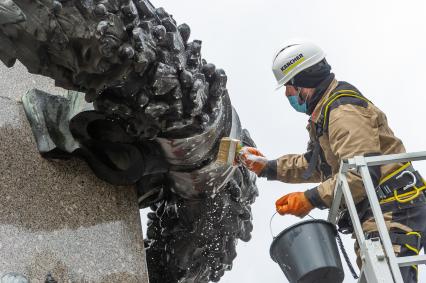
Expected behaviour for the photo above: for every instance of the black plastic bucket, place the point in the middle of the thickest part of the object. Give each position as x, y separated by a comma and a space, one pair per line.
307, 253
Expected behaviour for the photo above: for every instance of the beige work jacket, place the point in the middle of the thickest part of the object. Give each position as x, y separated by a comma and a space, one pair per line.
352, 130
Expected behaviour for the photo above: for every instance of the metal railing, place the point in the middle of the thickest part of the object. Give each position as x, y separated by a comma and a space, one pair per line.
379, 262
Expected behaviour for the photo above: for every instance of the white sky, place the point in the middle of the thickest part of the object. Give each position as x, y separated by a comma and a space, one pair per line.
379, 46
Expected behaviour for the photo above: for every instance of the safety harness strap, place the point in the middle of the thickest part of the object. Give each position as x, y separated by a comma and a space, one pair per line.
402, 185
341, 97
410, 239
344, 94
400, 182
312, 162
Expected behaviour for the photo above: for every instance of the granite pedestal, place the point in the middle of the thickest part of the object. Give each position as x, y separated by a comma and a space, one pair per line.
56, 216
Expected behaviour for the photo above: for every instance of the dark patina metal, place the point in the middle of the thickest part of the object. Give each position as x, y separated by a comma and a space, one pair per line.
154, 117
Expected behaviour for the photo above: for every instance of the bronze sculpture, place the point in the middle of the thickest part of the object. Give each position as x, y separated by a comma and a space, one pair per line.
156, 114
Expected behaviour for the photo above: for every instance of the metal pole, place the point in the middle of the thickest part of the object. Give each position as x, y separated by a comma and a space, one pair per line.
390, 158
352, 211
334, 209
379, 266
378, 216
411, 260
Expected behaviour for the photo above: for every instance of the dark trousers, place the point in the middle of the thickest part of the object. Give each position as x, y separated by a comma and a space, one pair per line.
415, 218
402, 218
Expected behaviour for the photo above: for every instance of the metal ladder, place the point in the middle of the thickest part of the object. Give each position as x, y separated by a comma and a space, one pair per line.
378, 265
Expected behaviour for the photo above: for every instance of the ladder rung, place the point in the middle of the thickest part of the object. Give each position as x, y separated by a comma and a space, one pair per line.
391, 158
411, 260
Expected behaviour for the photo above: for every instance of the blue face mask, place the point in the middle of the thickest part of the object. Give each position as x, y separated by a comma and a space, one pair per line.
294, 102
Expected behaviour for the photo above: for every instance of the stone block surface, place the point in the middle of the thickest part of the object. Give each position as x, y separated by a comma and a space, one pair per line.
56, 216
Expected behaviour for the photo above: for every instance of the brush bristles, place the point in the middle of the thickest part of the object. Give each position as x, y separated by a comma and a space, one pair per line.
227, 151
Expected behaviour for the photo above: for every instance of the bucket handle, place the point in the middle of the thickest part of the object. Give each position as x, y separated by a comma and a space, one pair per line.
270, 223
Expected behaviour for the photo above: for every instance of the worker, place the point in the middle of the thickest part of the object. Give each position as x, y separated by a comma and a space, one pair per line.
342, 124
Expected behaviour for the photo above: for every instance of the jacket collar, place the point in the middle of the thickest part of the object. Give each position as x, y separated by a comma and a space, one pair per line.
317, 110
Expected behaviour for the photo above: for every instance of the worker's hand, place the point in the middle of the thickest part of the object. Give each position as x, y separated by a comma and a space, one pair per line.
252, 159
294, 203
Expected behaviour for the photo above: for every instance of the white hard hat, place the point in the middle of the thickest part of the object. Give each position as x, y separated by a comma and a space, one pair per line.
293, 58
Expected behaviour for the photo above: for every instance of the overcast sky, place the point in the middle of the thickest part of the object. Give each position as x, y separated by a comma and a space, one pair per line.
379, 46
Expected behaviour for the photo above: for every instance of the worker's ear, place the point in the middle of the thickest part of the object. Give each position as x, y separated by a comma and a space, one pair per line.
290, 90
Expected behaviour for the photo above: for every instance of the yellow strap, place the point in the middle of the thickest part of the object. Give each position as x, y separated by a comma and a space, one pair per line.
402, 168
337, 95
405, 197
414, 233
413, 249
343, 91
404, 200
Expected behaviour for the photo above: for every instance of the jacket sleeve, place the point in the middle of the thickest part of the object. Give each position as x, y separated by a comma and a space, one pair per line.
352, 131
289, 169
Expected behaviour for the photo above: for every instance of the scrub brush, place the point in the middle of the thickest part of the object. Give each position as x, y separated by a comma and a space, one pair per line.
228, 150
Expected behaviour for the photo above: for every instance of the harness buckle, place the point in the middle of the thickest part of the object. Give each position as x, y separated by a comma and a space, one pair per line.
410, 185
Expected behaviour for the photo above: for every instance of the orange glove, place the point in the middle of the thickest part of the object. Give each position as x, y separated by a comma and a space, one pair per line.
294, 203
252, 159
